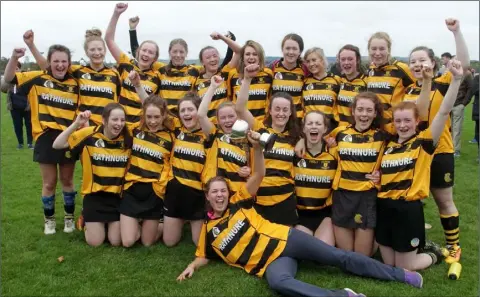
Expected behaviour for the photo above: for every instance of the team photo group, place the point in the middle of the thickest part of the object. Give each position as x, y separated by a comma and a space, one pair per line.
269, 165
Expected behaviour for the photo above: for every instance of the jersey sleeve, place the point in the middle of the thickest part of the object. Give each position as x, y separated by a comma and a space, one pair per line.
124, 63
258, 125
443, 82
408, 77
427, 141
76, 141
204, 249
25, 80
241, 196
230, 75
157, 65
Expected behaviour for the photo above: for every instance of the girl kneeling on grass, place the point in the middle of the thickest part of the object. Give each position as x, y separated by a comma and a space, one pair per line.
237, 234
105, 151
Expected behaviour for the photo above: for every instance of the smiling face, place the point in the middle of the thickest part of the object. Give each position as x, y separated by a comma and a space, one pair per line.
315, 63
115, 123
146, 55
226, 118
314, 128
280, 112
154, 118
364, 113
291, 51
188, 114
250, 56
378, 51
59, 64
211, 60
348, 62
405, 123
96, 52
178, 53
217, 196
417, 60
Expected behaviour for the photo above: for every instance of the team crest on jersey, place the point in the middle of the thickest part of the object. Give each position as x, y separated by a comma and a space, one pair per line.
328, 87
181, 136
161, 143
347, 138
225, 138
415, 242
309, 87
342, 86
48, 84
448, 177
302, 163
68, 155
260, 80
70, 89
408, 147
140, 135
149, 78
201, 86
215, 231
387, 73
108, 79
325, 165
357, 89
369, 138
86, 76
278, 75
299, 77
388, 151
100, 143
239, 82
371, 73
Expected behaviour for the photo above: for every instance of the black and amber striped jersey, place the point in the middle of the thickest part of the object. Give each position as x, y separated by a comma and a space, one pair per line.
188, 157
150, 159
278, 183
104, 161
258, 94
221, 95
389, 82
405, 168
348, 90
176, 82
129, 98
359, 153
289, 81
439, 89
314, 178
53, 102
321, 95
97, 89
242, 238
225, 158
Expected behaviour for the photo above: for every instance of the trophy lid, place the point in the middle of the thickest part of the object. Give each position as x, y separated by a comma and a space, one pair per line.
239, 129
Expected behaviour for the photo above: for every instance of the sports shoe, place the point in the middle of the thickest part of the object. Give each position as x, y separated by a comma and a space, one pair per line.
30, 146
413, 278
351, 293
50, 225
434, 250
20, 146
80, 223
473, 141
69, 226
455, 252
456, 154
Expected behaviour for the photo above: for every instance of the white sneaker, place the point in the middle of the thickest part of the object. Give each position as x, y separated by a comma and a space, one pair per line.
69, 226
50, 225
351, 293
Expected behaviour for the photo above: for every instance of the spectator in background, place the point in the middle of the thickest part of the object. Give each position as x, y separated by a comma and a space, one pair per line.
474, 93
445, 58
463, 98
19, 108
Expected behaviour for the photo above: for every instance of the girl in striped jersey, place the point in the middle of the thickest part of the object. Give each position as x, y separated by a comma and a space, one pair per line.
276, 197
260, 86
53, 98
314, 174
288, 72
320, 89
237, 234
225, 158
210, 60
359, 147
405, 168
387, 77
147, 174
353, 81
442, 169
105, 151
145, 57
99, 84
184, 200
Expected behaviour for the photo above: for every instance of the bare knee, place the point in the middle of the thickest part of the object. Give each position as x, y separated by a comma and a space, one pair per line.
95, 241
50, 185
170, 242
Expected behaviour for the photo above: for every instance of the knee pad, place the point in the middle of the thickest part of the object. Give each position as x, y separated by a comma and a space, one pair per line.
48, 202
69, 198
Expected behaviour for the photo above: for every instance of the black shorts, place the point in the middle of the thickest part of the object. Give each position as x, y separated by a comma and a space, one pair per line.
354, 209
141, 202
284, 213
183, 202
44, 153
101, 207
442, 171
312, 219
400, 224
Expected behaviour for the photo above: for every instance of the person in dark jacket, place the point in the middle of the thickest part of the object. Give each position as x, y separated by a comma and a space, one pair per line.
474, 93
19, 108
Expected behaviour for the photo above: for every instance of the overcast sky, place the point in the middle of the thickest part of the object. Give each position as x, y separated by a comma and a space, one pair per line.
329, 25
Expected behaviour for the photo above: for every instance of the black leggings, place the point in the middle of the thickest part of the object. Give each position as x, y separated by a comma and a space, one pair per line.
281, 273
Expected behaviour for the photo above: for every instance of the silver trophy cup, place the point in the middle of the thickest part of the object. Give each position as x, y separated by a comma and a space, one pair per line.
239, 134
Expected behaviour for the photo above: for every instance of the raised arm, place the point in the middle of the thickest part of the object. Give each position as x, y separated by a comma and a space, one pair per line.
202, 113
423, 100
461, 46
61, 141
254, 181
438, 123
9, 73
242, 98
134, 78
188, 272
232, 45
28, 38
133, 23
110, 33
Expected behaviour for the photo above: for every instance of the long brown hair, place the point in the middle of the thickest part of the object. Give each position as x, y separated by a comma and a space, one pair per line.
292, 124
356, 50
175, 41
260, 53
107, 110
161, 104
58, 48
299, 40
430, 53
378, 121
